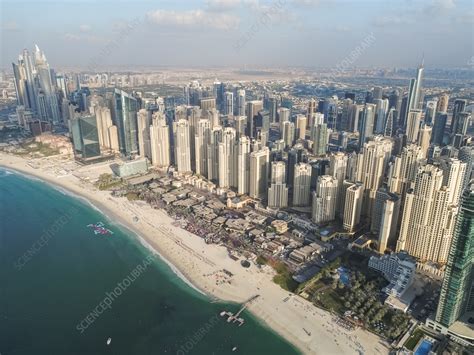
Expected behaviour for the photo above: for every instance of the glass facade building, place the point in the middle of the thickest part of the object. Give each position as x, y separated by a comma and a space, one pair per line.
85, 136
457, 292
126, 108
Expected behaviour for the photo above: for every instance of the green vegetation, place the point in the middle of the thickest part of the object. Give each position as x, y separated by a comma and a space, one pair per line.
284, 277
131, 196
323, 273
261, 260
37, 148
361, 298
414, 339
329, 299
107, 181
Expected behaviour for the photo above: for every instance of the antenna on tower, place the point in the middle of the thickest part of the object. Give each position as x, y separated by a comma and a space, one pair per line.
422, 60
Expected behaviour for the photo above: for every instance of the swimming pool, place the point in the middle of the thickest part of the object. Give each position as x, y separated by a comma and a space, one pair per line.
424, 348
344, 275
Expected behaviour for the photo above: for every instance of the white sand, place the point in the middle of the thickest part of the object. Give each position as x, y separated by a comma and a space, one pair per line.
194, 259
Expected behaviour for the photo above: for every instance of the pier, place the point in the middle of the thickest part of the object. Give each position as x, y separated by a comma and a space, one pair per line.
234, 318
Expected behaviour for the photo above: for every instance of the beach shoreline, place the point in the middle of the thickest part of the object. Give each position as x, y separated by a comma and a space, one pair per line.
199, 265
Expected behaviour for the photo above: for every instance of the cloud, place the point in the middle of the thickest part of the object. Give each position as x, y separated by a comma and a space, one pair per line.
194, 18
10, 26
466, 18
312, 3
72, 37
391, 21
436, 6
341, 28
222, 5
84, 28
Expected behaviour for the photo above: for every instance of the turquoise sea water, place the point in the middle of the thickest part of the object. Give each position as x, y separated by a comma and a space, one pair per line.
54, 272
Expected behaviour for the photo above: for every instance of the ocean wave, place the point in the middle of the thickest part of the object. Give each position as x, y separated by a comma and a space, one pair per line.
173, 268
5, 173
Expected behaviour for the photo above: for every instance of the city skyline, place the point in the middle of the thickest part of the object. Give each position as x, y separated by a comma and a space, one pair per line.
334, 205
289, 32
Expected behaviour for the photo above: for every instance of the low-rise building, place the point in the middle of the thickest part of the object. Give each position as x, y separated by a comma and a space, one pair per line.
130, 168
273, 246
238, 225
238, 202
302, 255
256, 218
280, 226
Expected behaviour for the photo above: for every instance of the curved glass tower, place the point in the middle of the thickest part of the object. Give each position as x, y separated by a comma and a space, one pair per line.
457, 292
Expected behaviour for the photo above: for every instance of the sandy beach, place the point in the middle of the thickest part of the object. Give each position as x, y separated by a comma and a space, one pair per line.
202, 264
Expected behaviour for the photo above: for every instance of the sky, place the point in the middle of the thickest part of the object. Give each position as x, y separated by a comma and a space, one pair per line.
240, 33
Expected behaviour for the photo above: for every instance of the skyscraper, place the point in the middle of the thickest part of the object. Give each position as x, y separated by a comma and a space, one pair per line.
50, 111
424, 138
415, 94
301, 121
337, 169
143, 126
202, 140
428, 216
253, 107
228, 159
353, 206
35, 86
389, 129
213, 154
182, 146
457, 292
283, 116
259, 165
439, 127
430, 111
405, 168
366, 121
413, 125
228, 103
302, 184
385, 218
320, 137
311, 111
288, 133
207, 103
160, 141
443, 103
458, 107
278, 191
372, 164
466, 155
243, 165
105, 128
125, 107
381, 109
85, 137
241, 102
324, 199
272, 108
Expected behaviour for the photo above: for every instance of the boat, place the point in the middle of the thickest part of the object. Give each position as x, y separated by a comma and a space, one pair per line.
234, 348
109, 341
99, 228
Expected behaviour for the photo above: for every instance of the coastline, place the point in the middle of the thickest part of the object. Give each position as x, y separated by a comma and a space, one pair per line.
196, 263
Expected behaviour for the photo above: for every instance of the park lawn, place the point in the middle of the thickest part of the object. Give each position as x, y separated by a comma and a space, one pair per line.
414, 339
331, 300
